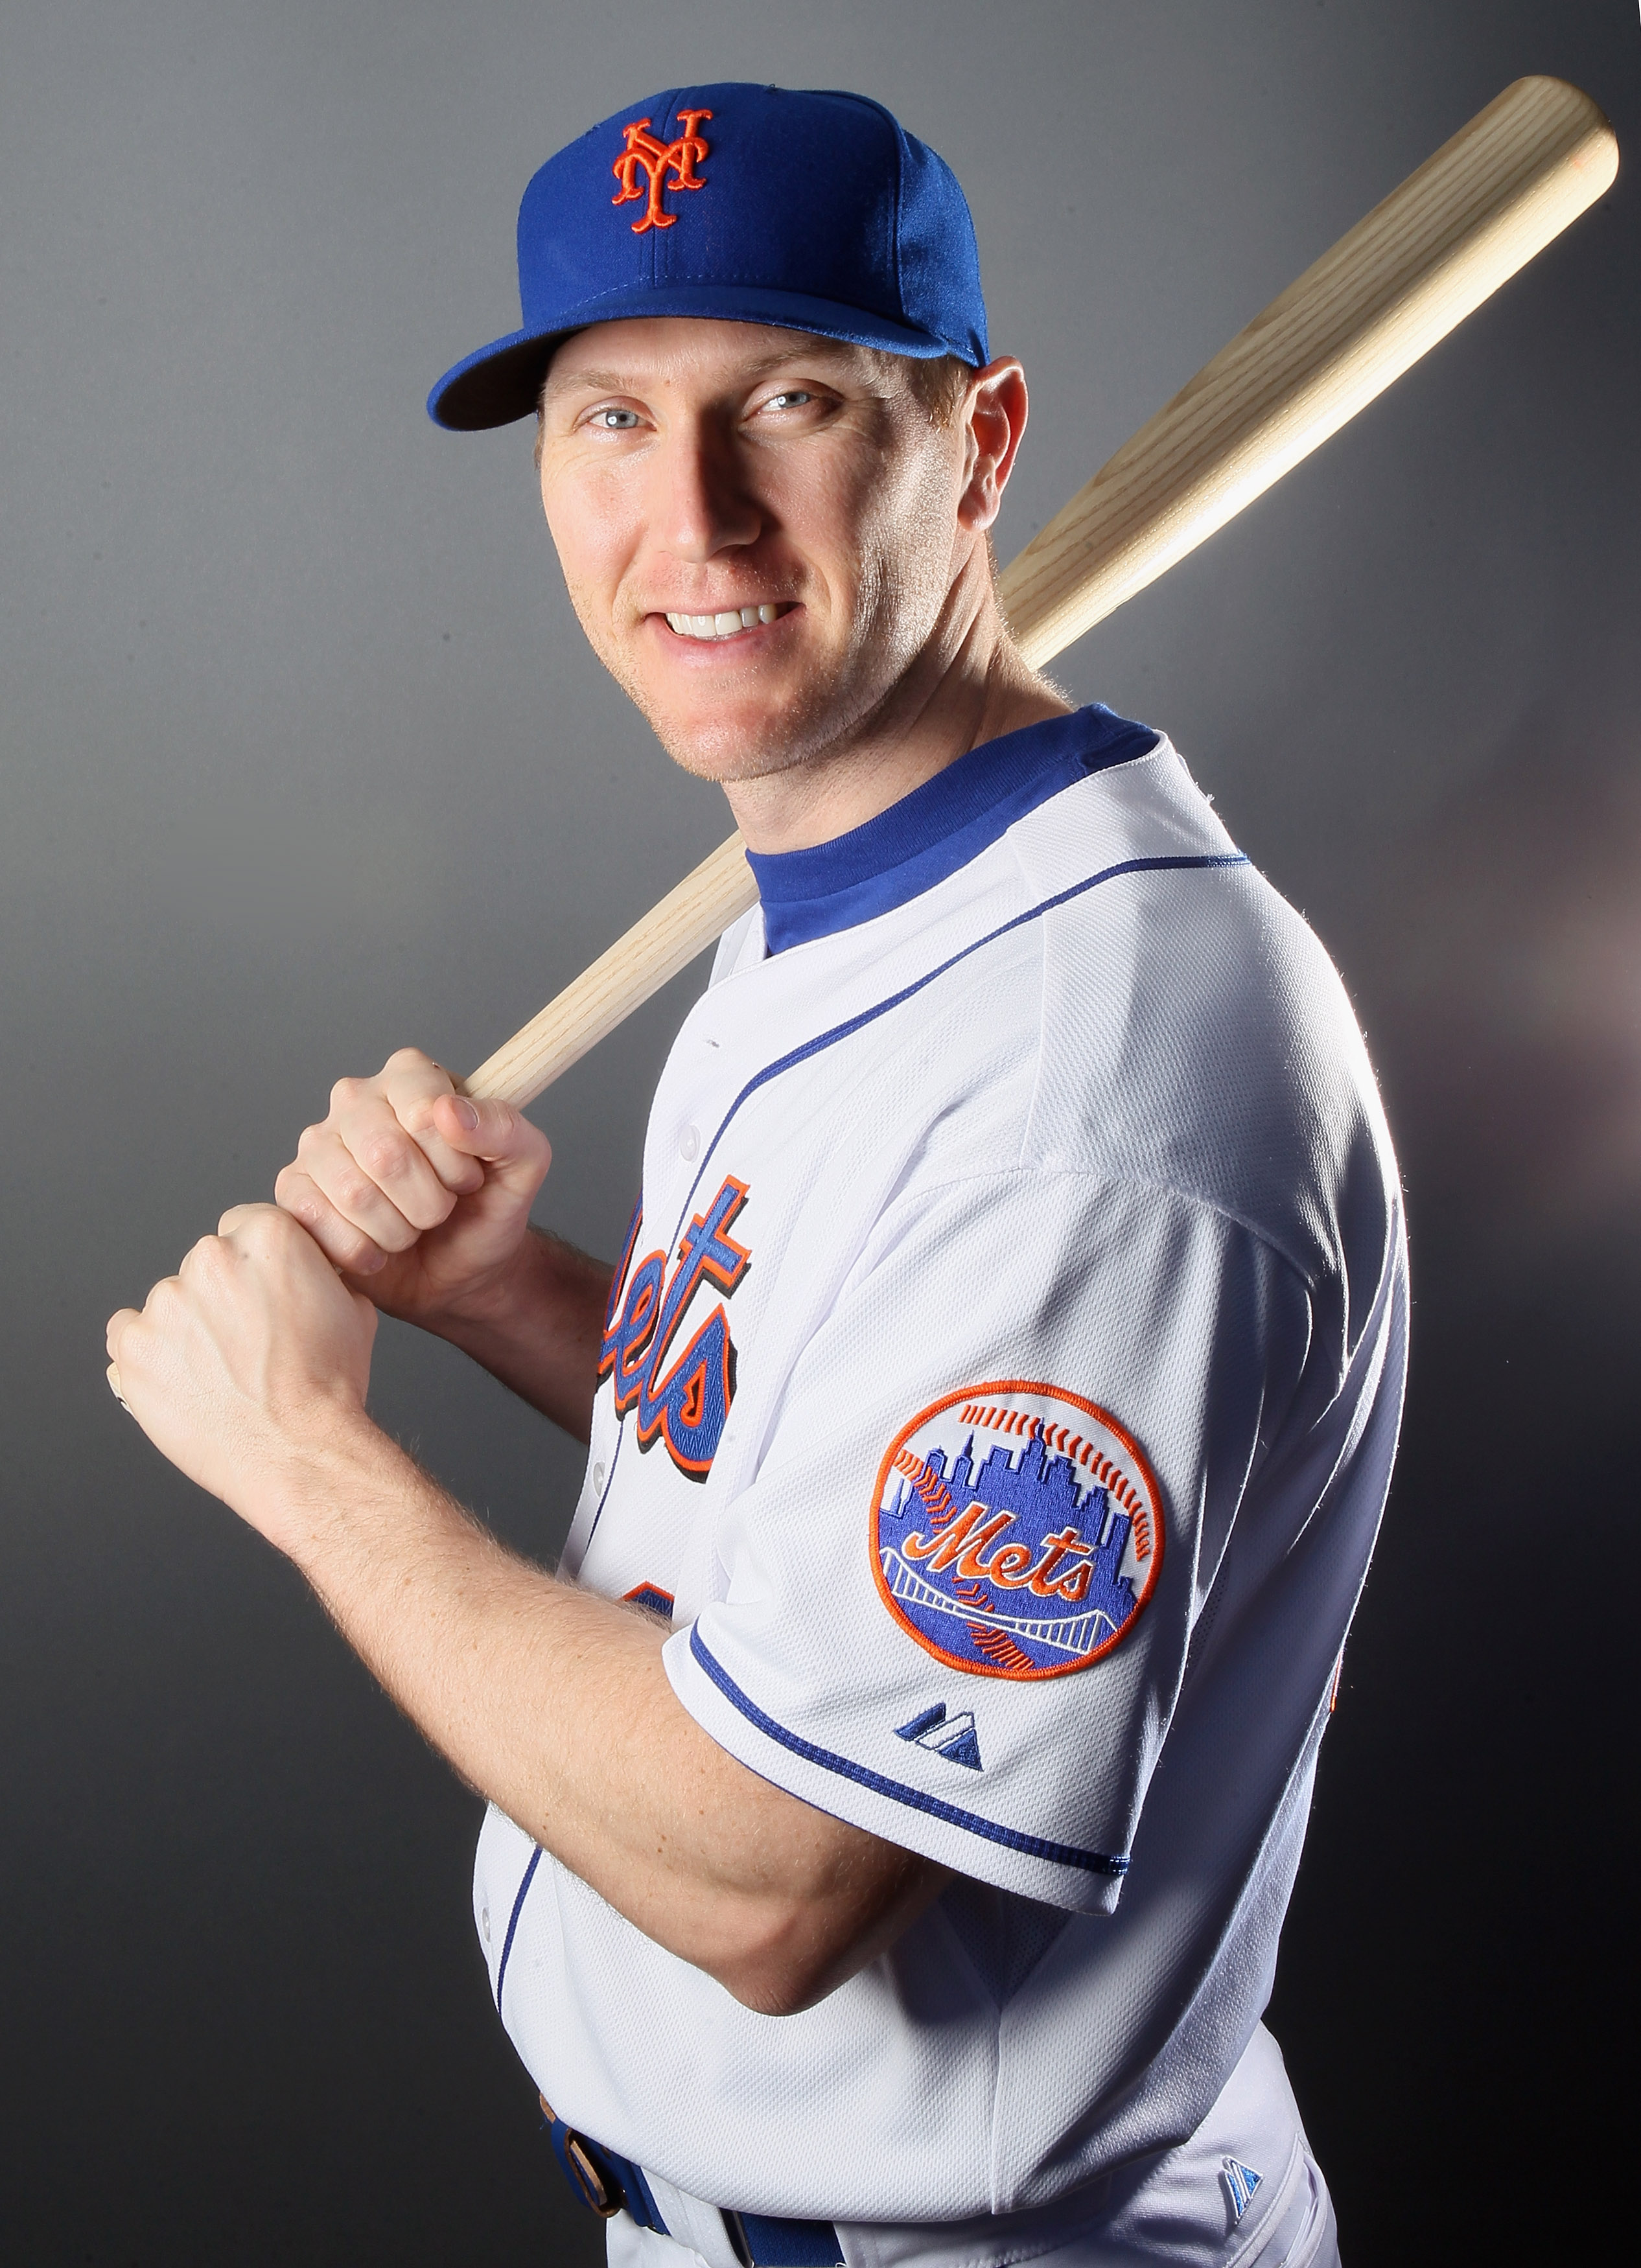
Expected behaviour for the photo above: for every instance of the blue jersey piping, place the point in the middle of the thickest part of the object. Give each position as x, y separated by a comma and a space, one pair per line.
1035, 1846
817, 1046
512, 1925
1174, 864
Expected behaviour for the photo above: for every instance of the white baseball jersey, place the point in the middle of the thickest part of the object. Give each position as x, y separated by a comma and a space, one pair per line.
998, 1395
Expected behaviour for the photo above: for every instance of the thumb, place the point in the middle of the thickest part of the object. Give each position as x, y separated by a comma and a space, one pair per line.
501, 1138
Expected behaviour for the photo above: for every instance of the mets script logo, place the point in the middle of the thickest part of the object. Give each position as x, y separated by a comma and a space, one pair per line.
1017, 1530
655, 160
682, 1400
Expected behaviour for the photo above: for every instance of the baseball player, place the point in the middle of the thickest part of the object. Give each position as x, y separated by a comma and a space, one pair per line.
895, 1796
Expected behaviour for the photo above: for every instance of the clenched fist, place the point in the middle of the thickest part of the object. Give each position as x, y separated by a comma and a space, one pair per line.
254, 1351
420, 1197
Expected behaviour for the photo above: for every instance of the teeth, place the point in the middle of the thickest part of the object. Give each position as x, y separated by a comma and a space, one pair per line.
726, 624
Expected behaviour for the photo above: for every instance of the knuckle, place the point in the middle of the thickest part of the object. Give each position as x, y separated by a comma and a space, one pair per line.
346, 1094
163, 1300
411, 1078
354, 1191
384, 1155
298, 1198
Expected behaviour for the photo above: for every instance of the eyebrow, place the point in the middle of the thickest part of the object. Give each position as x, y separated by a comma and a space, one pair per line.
618, 381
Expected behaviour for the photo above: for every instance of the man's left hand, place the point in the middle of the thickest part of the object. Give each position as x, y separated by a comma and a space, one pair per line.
253, 1353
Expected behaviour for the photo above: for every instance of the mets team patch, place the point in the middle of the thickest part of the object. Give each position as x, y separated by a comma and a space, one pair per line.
1016, 1530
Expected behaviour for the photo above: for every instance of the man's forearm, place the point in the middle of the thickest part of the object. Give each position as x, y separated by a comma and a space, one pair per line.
249, 1369
555, 1703
539, 1330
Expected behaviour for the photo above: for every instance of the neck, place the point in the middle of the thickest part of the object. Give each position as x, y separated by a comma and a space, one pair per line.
978, 688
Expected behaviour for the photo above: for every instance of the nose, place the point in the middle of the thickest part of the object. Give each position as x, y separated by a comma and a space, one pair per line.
700, 504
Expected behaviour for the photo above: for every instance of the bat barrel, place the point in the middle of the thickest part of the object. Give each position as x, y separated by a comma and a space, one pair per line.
1481, 208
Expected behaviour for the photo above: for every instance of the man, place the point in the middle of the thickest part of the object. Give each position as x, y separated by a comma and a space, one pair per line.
896, 1799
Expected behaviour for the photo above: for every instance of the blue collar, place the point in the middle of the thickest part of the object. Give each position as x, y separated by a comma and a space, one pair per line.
938, 827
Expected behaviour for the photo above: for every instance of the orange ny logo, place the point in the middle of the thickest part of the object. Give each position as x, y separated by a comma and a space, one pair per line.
655, 158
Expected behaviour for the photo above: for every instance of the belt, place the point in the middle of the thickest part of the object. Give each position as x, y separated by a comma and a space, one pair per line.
607, 2183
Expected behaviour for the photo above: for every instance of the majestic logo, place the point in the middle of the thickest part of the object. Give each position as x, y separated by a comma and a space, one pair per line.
954, 1738
1241, 2181
655, 160
1016, 1530
683, 1402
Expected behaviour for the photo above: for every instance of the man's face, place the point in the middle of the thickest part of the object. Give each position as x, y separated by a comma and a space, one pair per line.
693, 472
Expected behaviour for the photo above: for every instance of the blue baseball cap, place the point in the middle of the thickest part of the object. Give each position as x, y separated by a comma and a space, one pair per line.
750, 204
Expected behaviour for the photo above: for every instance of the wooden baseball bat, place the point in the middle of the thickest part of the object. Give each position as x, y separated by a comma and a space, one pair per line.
1402, 279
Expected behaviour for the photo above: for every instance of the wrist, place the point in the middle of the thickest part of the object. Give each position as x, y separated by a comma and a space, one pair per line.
299, 1480
496, 1301
539, 1329
543, 1284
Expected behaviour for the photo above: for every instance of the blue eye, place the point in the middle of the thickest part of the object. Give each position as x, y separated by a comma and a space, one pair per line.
793, 398
615, 421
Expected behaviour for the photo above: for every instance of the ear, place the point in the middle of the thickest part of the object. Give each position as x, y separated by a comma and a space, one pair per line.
994, 417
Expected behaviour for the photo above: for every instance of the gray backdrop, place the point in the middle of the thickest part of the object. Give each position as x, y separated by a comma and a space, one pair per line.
303, 758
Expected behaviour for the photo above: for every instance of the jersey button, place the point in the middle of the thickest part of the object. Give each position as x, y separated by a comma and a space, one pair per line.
689, 1144
598, 1480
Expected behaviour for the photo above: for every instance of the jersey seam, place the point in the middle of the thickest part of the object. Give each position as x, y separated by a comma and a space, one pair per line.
1029, 1120
1147, 864
1121, 1180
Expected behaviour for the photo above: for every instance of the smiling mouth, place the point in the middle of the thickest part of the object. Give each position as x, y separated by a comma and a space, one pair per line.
728, 624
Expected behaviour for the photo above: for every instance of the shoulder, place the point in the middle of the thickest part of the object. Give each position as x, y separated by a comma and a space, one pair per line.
1194, 1034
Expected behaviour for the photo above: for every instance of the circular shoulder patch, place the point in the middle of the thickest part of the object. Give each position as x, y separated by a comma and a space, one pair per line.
1016, 1530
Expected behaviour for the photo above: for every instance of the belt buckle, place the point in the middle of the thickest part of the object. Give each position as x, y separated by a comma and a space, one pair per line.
597, 2193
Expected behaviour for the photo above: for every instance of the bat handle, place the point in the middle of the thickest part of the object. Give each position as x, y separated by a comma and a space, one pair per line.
687, 920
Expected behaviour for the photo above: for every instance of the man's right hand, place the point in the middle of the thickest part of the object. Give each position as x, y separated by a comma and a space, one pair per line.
419, 1196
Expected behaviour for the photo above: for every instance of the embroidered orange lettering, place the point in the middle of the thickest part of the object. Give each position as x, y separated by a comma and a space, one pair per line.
1009, 1564
1056, 1547
941, 1550
643, 153
970, 1565
1073, 1585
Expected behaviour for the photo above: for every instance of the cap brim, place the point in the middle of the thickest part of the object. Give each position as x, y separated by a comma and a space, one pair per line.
502, 382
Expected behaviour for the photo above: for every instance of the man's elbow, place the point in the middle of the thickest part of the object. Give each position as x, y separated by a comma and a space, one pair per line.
793, 1951
785, 1967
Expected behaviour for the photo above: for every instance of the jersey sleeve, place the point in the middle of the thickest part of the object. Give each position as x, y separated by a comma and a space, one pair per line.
953, 1605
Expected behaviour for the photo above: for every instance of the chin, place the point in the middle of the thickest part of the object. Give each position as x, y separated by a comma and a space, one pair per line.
722, 753
734, 739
